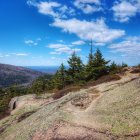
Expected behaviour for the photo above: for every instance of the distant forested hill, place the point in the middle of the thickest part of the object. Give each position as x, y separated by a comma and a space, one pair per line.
12, 75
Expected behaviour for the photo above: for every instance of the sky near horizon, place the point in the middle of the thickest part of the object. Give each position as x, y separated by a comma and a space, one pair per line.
46, 32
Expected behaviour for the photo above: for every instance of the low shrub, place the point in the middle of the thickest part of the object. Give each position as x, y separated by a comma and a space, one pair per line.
60, 93
65, 91
104, 79
136, 70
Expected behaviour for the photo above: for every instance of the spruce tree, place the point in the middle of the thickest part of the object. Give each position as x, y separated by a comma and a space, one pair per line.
91, 56
100, 65
75, 68
113, 68
60, 77
90, 64
124, 65
62, 74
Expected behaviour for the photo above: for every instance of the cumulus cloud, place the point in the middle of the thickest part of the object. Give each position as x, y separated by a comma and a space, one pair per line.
47, 8
88, 6
54, 9
124, 10
30, 42
62, 48
129, 47
97, 30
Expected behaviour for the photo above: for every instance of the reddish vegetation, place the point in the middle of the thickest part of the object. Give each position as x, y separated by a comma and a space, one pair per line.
136, 70
64, 91
104, 79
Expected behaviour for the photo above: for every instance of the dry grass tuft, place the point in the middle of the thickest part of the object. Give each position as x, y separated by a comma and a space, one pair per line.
135, 70
65, 91
104, 79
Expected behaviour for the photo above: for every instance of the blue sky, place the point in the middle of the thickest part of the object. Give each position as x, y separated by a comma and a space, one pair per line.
46, 32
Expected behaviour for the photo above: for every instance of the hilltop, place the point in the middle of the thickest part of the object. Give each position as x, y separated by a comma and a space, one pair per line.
103, 111
13, 75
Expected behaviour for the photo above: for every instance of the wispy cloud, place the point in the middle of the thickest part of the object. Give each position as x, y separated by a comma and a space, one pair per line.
13, 54
21, 54
88, 6
61, 41
62, 48
130, 46
31, 43
78, 43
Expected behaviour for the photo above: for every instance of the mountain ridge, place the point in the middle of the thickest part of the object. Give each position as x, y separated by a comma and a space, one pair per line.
16, 75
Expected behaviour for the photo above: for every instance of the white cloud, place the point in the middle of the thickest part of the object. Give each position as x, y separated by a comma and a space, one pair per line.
88, 6
65, 11
4, 55
21, 54
38, 39
61, 41
56, 46
98, 31
54, 9
99, 44
30, 42
62, 48
129, 47
47, 8
78, 43
53, 58
89, 1
124, 10
13, 54
7, 55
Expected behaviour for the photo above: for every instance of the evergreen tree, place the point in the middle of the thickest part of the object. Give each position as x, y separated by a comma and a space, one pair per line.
91, 56
100, 65
124, 65
62, 74
90, 64
113, 68
59, 79
76, 68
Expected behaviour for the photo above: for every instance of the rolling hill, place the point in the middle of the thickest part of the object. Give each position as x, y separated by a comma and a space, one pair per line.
11, 75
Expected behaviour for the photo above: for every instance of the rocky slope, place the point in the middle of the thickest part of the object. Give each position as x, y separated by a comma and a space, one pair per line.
10, 75
109, 111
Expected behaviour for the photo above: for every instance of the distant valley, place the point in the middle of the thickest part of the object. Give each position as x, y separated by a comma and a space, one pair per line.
15, 75
44, 69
